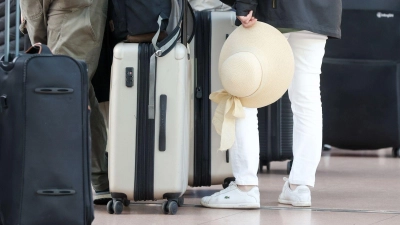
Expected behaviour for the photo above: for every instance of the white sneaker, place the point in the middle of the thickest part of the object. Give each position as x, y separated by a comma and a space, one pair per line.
301, 196
232, 197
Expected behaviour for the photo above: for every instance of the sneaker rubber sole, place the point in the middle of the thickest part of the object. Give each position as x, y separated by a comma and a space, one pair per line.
232, 206
297, 204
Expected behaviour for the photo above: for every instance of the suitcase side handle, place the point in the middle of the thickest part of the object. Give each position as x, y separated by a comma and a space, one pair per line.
163, 118
55, 90
56, 192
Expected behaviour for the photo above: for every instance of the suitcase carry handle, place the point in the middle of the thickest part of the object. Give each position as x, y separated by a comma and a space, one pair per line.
163, 118
7, 55
168, 43
38, 48
54, 90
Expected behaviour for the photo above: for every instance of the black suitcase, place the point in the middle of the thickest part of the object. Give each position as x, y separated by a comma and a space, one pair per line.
360, 74
275, 127
44, 140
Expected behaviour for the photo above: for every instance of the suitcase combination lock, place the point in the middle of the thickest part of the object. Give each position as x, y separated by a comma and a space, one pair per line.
129, 76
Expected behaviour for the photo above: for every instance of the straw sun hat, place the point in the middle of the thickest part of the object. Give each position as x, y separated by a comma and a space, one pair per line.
256, 67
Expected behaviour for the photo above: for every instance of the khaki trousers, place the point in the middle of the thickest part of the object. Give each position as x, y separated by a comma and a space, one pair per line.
75, 28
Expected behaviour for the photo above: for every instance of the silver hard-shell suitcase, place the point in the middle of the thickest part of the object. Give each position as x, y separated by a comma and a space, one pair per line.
208, 165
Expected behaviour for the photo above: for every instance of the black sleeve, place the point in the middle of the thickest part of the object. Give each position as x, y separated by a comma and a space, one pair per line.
110, 9
243, 7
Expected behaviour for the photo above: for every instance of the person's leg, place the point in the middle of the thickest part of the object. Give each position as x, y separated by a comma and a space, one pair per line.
245, 152
304, 92
76, 28
105, 108
244, 156
34, 14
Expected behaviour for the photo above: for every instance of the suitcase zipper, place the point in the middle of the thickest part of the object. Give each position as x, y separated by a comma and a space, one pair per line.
274, 4
88, 201
145, 129
202, 138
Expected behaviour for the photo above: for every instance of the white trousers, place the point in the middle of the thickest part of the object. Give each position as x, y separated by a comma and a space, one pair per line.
304, 93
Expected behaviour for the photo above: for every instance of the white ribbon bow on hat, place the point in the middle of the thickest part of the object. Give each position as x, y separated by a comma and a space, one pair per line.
229, 108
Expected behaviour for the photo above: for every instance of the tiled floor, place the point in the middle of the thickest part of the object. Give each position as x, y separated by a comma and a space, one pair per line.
353, 187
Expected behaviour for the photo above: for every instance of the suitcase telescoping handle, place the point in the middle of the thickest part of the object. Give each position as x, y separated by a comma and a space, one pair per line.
184, 23
7, 55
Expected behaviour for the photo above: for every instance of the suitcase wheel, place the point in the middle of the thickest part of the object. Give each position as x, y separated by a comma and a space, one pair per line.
326, 147
263, 163
396, 152
227, 181
289, 166
181, 201
126, 202
118, 207
110, 209
268, 166
115, 206
170, 207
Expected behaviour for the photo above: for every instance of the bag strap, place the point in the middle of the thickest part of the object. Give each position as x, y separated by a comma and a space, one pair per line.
168, 43
162, 48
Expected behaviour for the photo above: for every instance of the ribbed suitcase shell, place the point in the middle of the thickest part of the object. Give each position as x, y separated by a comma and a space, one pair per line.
208, 165
138, 169
275, 126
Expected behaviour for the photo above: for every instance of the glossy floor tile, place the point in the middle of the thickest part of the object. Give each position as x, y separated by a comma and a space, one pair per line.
352, 187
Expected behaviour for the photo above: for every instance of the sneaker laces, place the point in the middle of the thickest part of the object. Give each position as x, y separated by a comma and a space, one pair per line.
232, 185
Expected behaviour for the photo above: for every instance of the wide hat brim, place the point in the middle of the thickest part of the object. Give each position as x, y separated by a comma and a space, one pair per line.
257, 61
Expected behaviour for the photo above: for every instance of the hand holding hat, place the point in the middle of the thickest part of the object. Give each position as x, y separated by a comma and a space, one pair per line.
247, 21
256, 67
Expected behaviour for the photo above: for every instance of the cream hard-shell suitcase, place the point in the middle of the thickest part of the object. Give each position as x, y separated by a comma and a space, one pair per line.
148, 143
207, 165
